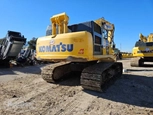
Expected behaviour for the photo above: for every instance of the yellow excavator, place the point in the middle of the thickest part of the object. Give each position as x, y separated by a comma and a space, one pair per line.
143, 51
84, 47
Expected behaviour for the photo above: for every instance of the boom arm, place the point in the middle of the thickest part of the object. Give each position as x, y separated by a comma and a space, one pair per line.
110, 28
143, 38
146, 39
150, 37
60, 21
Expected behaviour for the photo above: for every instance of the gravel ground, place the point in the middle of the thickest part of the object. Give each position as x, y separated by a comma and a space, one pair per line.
23, 91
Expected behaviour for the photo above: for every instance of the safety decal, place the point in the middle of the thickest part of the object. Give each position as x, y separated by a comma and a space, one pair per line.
81, 51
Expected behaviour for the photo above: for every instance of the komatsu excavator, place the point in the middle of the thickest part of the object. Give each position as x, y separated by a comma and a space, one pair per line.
83, 47
143, 51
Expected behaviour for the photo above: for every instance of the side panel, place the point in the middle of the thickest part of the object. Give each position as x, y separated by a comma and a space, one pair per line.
15, 48
97, 33
65, 46
142, 51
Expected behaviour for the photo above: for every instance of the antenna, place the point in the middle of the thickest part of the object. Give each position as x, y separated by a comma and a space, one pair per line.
120, 46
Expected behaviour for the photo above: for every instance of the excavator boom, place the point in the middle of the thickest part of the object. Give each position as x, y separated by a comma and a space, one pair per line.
109, 27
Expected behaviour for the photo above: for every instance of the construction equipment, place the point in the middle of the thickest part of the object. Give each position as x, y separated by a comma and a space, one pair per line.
127, 55
26, 57
83, 47
143, 51
10, 46
117, 53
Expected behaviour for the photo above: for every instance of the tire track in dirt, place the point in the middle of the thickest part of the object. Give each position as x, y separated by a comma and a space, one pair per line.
30, 89
37, 94
77, 102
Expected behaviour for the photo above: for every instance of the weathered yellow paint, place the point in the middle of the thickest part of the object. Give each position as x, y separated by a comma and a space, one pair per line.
82, 42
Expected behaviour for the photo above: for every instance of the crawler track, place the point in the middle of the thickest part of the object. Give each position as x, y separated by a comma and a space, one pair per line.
136, 62
93, 77
140, 62
54, 72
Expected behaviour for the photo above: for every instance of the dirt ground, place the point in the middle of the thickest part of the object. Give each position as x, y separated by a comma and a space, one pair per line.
23, 91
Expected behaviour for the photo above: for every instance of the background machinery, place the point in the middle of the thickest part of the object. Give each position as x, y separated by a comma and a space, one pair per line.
143, 51
26, 57
83, 47
10, 46
117, 53
127, 55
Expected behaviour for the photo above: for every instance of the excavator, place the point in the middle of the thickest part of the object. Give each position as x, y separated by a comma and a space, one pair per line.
143, 51
83, 47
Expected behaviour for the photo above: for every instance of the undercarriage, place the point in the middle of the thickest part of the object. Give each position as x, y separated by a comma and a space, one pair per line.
140, 62
93, 75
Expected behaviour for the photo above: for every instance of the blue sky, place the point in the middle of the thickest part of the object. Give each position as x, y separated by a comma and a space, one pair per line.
31, 17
